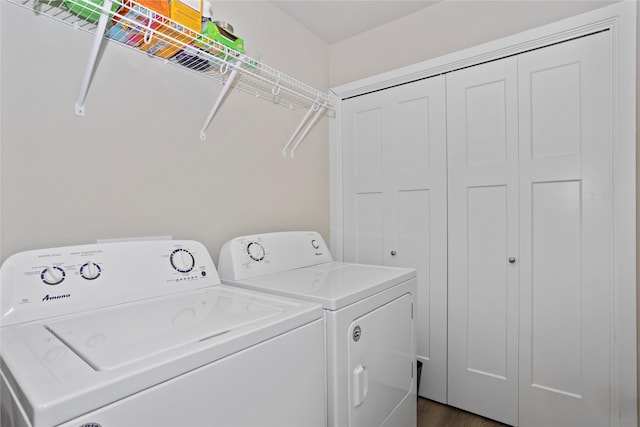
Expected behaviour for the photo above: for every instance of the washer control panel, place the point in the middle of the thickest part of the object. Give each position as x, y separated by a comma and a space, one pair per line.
50, 282
255, 255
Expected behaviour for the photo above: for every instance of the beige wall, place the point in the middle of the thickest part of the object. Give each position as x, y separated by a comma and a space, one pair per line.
135, 165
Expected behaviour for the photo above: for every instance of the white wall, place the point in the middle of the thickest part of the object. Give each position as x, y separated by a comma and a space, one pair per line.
447, 26
135, 165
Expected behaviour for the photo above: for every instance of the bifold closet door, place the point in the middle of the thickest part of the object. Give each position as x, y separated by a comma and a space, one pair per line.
566, 204
530, 229
482, 133
395, 201
366, 191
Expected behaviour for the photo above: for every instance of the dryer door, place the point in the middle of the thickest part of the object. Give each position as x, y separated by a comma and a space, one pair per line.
380, 362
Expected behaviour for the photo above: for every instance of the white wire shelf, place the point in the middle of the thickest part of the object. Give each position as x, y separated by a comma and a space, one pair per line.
127, 23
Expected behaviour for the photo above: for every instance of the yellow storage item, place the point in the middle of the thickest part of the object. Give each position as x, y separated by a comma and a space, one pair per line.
187, 13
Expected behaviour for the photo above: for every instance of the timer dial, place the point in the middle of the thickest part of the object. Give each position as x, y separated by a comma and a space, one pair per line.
182, 260
90, 270
52, 275
255, 251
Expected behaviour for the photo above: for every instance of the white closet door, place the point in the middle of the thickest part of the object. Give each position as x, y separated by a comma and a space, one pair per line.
419, 226
483, 234
365, 134
565, 199
394, 144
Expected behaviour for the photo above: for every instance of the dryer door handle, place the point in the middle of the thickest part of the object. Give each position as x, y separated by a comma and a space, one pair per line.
360, 385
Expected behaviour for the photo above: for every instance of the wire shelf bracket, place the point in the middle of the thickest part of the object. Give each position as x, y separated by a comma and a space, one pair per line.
93, 56
314, 108
223, 93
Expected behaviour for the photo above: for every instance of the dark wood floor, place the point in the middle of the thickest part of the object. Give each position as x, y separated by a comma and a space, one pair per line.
433, 414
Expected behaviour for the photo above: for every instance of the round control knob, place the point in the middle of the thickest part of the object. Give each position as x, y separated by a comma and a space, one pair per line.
52, 275
182, 260
315, 244
255, 251
90, 270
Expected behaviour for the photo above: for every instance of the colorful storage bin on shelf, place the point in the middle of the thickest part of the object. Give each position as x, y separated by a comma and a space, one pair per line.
151, 32
131, 24
217, 39
216, 33
209, 42
184, 12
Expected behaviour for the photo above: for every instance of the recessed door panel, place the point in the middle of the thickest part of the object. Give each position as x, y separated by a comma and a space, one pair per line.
555, 110
485, 123
556, 284
411, 130
368, 142
368, 222
487, 280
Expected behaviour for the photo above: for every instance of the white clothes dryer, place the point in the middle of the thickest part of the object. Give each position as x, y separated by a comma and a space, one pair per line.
144, 334
369, 320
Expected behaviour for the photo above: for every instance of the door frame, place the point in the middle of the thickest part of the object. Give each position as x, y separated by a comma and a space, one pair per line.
620, 19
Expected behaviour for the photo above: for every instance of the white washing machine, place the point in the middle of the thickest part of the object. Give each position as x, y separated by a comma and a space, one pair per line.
144, 334
369, 320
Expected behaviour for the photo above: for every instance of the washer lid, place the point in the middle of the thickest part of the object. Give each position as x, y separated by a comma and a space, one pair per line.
115, 338
63, 367
333, 284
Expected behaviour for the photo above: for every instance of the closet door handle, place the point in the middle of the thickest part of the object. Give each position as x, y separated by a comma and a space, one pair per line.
393, 253
512, 260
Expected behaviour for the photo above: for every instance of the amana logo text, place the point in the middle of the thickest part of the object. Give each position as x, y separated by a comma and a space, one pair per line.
48, 297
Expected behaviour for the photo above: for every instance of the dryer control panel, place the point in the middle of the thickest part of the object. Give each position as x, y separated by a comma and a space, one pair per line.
51, 282
259, 254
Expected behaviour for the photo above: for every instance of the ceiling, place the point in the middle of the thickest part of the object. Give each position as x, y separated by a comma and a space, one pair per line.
335, 20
